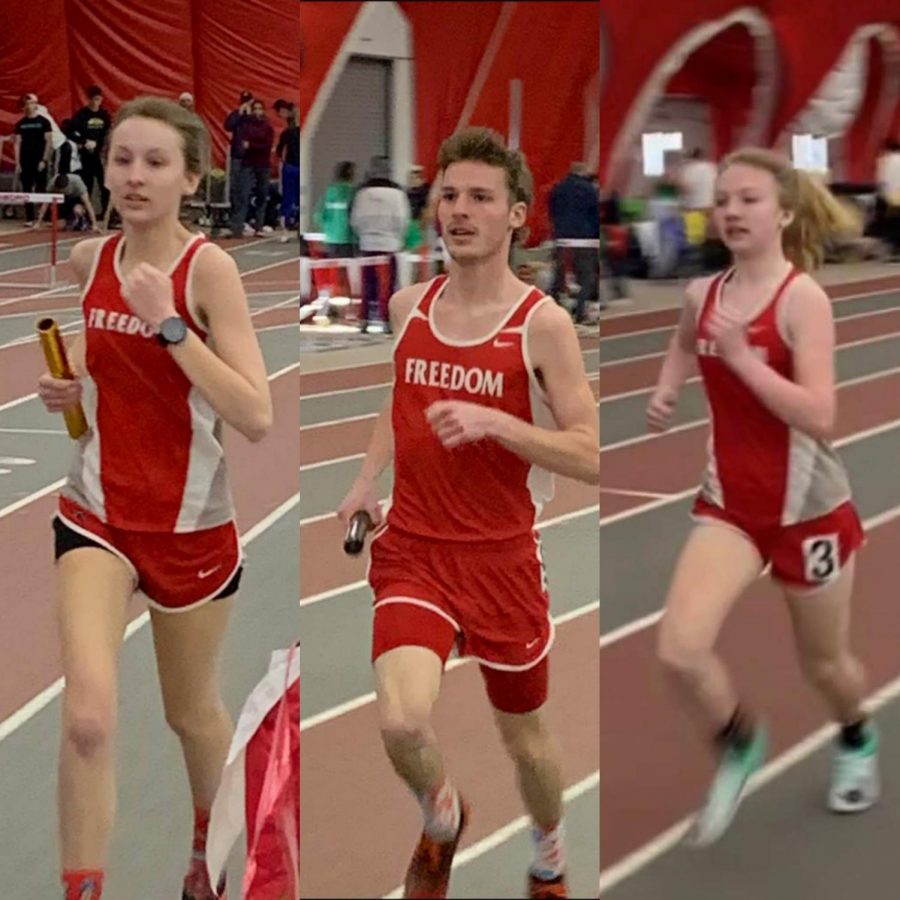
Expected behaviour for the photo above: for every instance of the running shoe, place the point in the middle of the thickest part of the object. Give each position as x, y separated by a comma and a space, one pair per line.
855, 781
538, 889
730, 781
428, 875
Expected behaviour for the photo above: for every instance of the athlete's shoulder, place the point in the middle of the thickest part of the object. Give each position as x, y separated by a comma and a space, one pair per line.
804, 300
404, 301
550, 319
82, 256
698, 288
212, 261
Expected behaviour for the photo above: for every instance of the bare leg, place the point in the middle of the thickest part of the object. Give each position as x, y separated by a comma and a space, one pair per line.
93, 588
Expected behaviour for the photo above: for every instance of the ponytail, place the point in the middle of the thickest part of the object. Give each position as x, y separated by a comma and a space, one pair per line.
818, 217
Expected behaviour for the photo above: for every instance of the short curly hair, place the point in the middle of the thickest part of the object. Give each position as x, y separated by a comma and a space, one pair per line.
487, 146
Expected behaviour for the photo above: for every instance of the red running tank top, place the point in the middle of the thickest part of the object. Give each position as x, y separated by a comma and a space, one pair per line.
152, 459
480, 491
759, 467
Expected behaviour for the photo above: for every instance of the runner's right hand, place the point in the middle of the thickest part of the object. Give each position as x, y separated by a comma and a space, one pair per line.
661, 408
361, 495
59, 394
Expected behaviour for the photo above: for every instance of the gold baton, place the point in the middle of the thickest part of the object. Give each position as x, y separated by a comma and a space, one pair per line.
58, 364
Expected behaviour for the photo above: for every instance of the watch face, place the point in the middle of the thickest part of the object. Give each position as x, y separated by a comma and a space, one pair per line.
173, 330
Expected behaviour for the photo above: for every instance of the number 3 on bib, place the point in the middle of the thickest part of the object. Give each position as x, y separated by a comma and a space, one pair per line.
821, 558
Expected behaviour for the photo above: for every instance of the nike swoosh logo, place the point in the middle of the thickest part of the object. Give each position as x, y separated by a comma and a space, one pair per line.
205, 573
530, 644
499, 344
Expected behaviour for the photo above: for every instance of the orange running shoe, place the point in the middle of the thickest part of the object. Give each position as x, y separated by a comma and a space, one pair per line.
428, 875
547, 890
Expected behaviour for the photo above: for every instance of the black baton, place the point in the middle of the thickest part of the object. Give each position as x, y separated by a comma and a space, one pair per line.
360, 524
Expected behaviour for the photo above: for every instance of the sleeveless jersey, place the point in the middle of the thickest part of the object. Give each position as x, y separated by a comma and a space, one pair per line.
478, 491
759, 466
152, 459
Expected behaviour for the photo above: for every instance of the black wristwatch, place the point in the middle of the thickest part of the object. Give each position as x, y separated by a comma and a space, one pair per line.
172, 331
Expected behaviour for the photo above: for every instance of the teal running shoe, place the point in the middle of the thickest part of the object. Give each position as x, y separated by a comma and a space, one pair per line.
730, 781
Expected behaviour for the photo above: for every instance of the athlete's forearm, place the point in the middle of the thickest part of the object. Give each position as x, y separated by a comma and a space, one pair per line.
677, 366
574, 453
794, 404
380, 452
232, 396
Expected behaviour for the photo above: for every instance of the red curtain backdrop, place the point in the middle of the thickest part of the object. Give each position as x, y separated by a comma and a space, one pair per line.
212, 48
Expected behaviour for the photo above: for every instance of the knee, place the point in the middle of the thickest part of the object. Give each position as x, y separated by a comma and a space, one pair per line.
195, 720
529, 747
89, 728
824, 671
404, 725
680, 653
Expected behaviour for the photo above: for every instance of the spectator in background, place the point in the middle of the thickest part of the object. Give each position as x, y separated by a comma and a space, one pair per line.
332, 215
77, 212
285, 110
575, 215
888, 200
186, 101
288, 151
58, 136
68, 161
697, 187
379, 215
257, 137
233, 124
91, 125
417, 193
33, 147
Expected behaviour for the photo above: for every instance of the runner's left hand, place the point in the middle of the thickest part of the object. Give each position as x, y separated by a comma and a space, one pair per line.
457, 422
729, 334
149, 293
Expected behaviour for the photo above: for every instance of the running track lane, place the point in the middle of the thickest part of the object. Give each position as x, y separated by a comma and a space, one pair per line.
28, 642
350, 793
655, 769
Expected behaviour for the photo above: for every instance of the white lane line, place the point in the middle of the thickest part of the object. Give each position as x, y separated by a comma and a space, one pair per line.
17, 719
349, 706
62, 290
39, 313
330, 462
649, 495
30, 431
347, 588
511, 829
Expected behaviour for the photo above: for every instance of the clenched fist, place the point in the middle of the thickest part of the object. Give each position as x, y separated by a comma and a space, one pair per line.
59, 394
149, 294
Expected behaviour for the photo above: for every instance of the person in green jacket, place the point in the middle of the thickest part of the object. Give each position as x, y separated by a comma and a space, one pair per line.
332, 215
